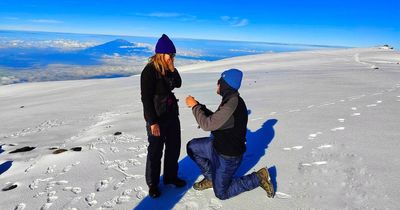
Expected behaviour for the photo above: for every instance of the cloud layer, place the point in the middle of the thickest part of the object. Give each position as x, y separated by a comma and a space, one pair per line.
63, 44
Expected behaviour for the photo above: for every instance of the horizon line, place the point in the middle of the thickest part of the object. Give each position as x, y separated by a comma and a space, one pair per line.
220, 40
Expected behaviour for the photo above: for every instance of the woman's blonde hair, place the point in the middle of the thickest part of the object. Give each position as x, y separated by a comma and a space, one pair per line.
159, 63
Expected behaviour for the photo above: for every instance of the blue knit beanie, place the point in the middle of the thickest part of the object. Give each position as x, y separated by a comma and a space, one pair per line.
165, 45
233, 77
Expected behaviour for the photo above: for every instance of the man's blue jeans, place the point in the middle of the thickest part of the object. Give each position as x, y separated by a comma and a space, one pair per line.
220, 169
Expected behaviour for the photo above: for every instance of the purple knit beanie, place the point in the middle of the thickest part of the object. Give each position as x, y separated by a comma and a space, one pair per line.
165, 45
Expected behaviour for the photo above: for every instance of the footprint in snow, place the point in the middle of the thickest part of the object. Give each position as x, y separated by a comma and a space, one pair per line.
140, 193
119, 184
127, 192
324, 146
90, 199
51, 184
123, 199
255, 119
20, 206
341, 120
371, 105
337, 129
320, 163
35, 183
295, 110
215, 204
114, 149
103, 184
282, 195
30, 167
190, 205
69, 167
52, 197
293, 148
50, 169
137, 189
134, 162
75, 190
116, 200
317, 163
46, 206
327, 104
355, 114
314, 135
142, 155
61, 182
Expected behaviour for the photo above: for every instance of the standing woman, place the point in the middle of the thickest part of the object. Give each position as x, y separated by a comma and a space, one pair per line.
160, 107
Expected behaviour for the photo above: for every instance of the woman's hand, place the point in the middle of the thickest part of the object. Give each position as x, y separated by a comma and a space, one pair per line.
170, 62
171, 65
155, 130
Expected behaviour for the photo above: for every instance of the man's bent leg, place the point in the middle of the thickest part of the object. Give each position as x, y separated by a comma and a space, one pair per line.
225, 185
200, 150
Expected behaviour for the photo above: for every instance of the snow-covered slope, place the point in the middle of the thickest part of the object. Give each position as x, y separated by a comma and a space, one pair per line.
326, 122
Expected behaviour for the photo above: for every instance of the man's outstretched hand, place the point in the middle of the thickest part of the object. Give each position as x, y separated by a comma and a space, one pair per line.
191, 102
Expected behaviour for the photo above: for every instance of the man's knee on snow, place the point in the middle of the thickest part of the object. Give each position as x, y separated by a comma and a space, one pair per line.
221, 195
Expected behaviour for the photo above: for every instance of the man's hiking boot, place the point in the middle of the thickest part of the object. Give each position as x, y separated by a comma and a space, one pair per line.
203, 184
265, 182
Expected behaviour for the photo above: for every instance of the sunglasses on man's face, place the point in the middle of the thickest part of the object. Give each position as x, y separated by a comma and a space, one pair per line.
172, 55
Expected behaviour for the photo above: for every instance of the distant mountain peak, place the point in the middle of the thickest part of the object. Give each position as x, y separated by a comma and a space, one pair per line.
121, 41
117, 43
119, 46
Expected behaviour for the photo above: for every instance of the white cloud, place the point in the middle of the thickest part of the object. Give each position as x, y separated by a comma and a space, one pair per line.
183, 17
46, 21
243, 22
194, 53
142, 44
149, 47
225, 18
9, 80
163, 14
235, 21
11, 18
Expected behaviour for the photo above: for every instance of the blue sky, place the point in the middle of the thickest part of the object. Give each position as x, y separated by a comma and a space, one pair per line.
346, 23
